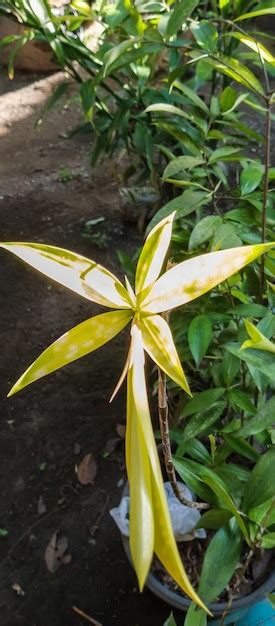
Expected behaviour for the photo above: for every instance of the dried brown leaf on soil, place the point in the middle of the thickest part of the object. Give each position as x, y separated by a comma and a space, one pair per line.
87, 469
55, 553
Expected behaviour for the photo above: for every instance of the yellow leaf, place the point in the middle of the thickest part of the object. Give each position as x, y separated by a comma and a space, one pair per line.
164, 542
141, 514
159, 344
153, 253
254, 45
258, 341
80, 340
192, 278
74, 271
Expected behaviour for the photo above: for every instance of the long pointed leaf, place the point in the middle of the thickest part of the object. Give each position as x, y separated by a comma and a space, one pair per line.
141, 514
153, 253
74, 271
165, 544
159, 344
192, 278
80, 340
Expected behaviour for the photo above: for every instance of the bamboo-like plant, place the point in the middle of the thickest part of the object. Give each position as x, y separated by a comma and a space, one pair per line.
150, 525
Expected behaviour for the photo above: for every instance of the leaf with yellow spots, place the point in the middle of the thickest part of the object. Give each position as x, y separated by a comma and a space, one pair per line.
77, 342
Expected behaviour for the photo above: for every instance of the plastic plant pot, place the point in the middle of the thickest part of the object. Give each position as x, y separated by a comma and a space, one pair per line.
238, 609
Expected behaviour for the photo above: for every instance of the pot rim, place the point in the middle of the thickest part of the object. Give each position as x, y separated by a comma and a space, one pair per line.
178, 601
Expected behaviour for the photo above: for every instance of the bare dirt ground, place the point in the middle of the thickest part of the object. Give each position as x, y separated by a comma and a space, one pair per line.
48, 428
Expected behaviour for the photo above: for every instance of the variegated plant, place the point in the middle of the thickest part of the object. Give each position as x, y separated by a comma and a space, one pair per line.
150, 525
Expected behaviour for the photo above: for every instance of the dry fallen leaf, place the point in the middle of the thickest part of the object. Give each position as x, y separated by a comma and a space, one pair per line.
55, 553
41, 506
87, 469
121, 430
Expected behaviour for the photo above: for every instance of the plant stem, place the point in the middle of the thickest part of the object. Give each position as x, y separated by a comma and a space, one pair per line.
265, 190
164, 430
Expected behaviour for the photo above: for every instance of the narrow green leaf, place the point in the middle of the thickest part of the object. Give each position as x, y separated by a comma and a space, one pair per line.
214, 518
200, 401
182, 9
224, 152
170, 621
204, 230
250, 179
263, 361
188, 475
260, 487
77, 342
230, 368
241, 400
184, 204
206, 35
180, 164
268, 541
220, 560
199, 337
242, 447
201, 422
195, 616
257, 13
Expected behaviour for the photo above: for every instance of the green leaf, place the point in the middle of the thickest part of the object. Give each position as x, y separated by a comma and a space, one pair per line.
220, 154
189, 477
257, 13
263, 361
214, 518
248, 310
201, 422
195, 616
264, 514
201, 400
264, 419
170, 621
230, 368
191, 95
260, 487
199, 337
75, 343
271, 598
250, 179
3, 532
241, 400
242, 447
206, 35
228, 98
180, 164
220, 560
184, 204
225, 237
237, 71
204, 230
268, 541
182, 9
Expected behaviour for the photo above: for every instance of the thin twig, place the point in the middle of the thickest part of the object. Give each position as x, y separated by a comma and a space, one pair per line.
87, 617
95, 526
164, 430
